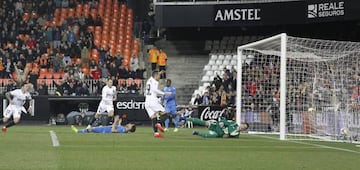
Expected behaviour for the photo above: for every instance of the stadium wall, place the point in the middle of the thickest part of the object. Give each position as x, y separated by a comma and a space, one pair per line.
255, 14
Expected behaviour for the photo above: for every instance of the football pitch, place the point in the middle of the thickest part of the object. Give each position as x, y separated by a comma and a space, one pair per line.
31, 147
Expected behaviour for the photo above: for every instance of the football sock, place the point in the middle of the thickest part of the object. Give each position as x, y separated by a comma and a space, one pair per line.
196, 121
207, 135
10, 123
162, 118
83, 131
1, 121
154, 121
176, 121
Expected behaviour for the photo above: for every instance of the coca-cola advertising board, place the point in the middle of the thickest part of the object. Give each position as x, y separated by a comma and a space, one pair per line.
211, 112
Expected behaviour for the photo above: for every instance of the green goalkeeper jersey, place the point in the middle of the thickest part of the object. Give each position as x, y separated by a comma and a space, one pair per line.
223, 127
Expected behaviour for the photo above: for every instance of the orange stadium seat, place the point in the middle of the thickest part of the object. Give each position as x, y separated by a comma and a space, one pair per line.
42, 74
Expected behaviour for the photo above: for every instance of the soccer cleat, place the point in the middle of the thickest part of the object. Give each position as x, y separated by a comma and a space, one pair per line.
158, 135
176, 130
159, 127
195, 133
88, 126
4, 129
74, 129
166, 129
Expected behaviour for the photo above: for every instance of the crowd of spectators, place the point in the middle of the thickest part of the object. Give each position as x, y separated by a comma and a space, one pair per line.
33, 43
221, 91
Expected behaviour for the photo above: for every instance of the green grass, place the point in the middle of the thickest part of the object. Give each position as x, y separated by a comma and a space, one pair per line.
30, 147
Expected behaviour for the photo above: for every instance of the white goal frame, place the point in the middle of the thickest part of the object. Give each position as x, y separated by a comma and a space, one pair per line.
283, 38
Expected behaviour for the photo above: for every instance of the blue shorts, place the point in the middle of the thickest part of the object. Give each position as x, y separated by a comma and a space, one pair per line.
170, 109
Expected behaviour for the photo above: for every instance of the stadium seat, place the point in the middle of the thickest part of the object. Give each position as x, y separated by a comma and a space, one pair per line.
221, 57
228, 57
234, 57
233, 63
215, 67
205, 79
226, 63
211, 62
213, 57
209, 73
207, 67
219, 62
206, 84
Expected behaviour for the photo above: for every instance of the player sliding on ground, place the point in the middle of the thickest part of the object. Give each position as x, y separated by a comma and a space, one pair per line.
153, 107
115, 128
219, 129
17, 99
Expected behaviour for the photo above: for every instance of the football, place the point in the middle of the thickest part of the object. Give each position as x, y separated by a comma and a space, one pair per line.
344, 131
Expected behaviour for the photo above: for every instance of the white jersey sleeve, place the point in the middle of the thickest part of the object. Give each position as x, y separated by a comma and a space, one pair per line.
108, 94
152, 90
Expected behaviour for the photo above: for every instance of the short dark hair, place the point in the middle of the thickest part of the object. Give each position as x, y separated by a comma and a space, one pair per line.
155, 72
168, 80
133, 129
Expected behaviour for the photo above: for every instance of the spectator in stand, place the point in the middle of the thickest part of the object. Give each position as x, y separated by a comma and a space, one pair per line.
123, 87
1, 68
205, 98
43, 88
113, 70
8, 68
133, 88
84, 90
140, 73
71, 88
134, 63
11, 86
118, 60
198, 100
98, 21
85, 56
104, 71
33, 76
124, 72
92, 64
95, 74
153, 57
162, 59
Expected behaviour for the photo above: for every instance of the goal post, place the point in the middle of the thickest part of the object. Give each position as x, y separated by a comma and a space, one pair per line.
300, 88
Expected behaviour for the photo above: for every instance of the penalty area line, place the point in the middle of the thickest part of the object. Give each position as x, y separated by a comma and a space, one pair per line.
54, 139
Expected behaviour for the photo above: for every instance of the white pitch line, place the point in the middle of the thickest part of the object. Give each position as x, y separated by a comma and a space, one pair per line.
54, 139
316, 145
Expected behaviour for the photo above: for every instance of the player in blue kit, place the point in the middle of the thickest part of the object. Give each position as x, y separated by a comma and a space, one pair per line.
170, 105
107, 129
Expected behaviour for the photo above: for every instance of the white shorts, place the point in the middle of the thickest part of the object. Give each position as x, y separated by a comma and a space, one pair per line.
153, 107
105, 108
13, 110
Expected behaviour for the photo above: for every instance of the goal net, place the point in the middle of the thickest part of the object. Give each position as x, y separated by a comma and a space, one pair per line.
300, 88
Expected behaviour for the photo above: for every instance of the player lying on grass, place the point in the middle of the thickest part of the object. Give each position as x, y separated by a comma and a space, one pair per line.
219, 129
107, 129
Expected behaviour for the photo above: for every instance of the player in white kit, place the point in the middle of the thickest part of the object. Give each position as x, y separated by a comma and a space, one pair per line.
106, 104
17, 98
153, 107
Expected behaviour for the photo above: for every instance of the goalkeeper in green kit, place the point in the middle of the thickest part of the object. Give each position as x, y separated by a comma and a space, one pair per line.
219, 129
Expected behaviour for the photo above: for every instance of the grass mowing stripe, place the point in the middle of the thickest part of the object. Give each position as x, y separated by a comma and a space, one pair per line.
311, 144
54, 139
186, 146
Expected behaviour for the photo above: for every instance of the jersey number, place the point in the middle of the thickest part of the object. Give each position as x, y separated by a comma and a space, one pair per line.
148, 90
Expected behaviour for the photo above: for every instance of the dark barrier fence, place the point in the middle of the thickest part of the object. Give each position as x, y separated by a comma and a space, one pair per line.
260, 14
45, 107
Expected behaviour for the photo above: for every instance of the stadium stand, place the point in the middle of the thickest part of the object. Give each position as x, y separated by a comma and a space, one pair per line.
64, 39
